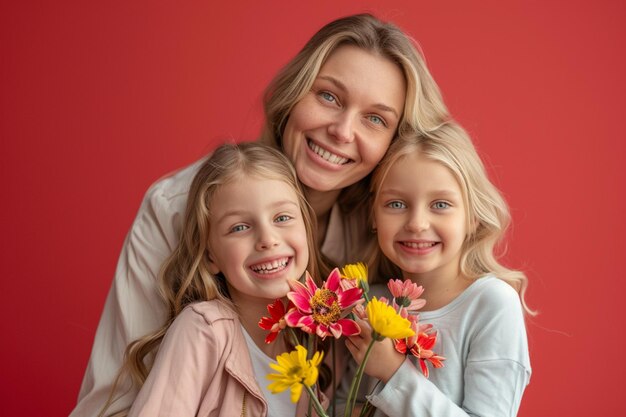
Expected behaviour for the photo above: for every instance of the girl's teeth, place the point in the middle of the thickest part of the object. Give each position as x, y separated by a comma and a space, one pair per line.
269, 267
326, 155
420, 245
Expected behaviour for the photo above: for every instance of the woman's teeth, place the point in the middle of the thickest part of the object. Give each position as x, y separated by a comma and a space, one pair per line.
326, 155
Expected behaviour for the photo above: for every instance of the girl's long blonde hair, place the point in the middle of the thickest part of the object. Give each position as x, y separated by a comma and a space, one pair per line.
487, 212
185, 277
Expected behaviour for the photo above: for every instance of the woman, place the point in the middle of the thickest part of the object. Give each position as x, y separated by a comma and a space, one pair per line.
333, 110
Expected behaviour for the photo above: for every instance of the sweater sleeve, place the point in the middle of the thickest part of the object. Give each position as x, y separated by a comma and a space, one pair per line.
133, 307
495, 374
183, 368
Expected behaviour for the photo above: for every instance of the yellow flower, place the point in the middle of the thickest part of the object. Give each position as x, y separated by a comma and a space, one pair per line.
357, 272
294, 370
386, 322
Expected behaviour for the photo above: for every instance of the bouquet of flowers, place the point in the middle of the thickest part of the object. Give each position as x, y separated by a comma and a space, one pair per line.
329, 310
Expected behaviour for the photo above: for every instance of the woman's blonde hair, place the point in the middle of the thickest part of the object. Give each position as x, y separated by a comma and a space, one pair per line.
424, 109
486, 210
185, 277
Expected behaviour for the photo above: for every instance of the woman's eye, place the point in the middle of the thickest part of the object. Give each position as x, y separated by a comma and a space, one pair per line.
377, 120
283, 218
441, 205
239, 228
328, 97
396, 205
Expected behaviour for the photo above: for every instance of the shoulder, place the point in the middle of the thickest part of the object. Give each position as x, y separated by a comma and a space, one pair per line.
207, 318
159, 219
173, 186
212, 311
492, 293
494, 308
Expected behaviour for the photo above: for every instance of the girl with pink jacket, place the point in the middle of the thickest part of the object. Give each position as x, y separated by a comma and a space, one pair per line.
247, 231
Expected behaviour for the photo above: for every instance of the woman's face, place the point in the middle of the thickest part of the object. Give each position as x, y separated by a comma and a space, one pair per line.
341, 129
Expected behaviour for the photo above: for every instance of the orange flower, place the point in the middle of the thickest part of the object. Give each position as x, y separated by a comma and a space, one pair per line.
421, 346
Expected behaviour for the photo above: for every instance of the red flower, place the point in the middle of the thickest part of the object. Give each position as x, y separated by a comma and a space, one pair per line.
276, 322
420, 346
322, 310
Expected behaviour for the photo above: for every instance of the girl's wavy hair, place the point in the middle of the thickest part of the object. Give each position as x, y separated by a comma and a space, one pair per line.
424, 108
184, 278
487, 213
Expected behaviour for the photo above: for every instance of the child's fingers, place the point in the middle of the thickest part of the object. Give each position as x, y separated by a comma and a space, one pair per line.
366, 329
355, 347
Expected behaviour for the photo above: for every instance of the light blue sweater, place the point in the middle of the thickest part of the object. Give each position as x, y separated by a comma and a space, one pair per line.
482, 335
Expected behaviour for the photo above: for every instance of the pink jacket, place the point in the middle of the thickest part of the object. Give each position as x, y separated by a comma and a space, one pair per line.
203, 369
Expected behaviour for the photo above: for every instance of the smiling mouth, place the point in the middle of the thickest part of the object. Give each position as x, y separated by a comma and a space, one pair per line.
326, 155
271, 267
419, 245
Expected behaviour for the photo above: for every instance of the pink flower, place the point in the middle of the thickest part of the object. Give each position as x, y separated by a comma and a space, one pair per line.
406, 294
322, 310
420, 346
276, 322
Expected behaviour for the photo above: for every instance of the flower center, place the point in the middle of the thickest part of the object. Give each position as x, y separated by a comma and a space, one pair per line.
325, 307
294, 371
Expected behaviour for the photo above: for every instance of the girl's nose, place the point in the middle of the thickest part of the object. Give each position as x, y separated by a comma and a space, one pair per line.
418, 222
267, 240
342, 128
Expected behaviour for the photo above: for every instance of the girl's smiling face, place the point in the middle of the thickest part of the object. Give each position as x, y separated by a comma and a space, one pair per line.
340, 130
420, 214
257, 237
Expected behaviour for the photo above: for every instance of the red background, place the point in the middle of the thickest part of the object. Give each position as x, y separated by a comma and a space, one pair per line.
99, 99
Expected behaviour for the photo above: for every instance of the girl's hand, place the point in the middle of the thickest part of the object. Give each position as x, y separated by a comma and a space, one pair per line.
384, 359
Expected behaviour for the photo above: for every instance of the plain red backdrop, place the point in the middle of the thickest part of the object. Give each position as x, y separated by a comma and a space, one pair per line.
100, 99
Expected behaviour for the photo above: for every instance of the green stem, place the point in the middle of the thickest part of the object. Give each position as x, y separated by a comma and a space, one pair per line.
367, 409
356, 381
316, 403
333, 403
293, 336
310, 346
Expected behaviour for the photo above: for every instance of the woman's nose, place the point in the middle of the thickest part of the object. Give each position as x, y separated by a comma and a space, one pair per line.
342, 128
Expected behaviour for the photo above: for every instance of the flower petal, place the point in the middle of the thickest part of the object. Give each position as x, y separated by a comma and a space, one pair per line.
349, 327
302, 302
333, 280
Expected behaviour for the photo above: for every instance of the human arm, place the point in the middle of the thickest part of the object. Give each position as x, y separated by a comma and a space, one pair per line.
487, 368
134, 307
186, 363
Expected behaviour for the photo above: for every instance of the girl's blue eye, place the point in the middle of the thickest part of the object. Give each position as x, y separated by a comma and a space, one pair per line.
439, 205
282, 218
396, 205
239, 228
